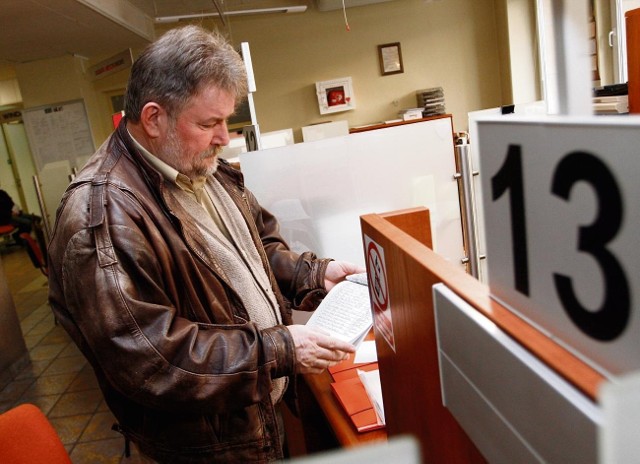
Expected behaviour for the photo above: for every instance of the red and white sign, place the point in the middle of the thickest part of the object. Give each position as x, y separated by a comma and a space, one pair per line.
112, 65
379, 291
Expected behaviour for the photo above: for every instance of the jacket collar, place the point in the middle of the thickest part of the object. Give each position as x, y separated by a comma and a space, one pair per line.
224, 168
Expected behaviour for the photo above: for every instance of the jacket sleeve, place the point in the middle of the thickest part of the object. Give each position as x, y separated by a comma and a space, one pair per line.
299, 276
108, 289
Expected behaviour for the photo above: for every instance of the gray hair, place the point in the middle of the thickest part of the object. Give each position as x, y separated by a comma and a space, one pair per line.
175, 68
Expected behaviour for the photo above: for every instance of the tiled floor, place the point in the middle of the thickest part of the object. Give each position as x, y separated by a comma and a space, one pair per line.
58, 380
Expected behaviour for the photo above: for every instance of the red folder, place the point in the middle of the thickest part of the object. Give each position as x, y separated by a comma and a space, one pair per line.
353, 398
347, 369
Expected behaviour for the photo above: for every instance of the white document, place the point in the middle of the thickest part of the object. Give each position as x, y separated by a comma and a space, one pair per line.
366, 353
345, 313
358, 278
371, 382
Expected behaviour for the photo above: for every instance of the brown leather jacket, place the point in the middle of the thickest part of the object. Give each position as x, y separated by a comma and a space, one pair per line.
184, 371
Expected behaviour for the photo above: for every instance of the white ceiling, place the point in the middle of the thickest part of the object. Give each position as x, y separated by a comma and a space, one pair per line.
39, 29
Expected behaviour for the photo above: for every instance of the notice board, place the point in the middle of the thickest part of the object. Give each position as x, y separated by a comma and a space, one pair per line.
58, 132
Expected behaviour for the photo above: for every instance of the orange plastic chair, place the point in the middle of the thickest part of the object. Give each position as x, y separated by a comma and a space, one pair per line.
27, 437
6, 232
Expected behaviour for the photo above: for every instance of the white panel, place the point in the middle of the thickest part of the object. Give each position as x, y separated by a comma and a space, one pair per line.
278, 138
618, 439
513, 407
318, 190
567, 261
534, 108
494, 437
325, 130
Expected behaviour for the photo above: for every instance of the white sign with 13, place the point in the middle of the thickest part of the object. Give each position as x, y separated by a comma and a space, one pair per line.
562, 214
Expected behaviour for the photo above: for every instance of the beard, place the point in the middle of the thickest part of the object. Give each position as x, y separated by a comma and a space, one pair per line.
192, 166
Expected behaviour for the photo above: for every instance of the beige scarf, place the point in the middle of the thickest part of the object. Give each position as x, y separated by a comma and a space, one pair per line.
237, 256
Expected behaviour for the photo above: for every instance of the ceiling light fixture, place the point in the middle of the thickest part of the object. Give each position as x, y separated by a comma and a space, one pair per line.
283, 9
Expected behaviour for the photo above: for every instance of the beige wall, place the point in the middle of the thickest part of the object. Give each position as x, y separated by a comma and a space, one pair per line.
525, 70
457, 44
451, 43
63, 79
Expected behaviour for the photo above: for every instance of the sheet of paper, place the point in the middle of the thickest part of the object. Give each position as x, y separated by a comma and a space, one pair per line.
358, 278
366, 353
371, 382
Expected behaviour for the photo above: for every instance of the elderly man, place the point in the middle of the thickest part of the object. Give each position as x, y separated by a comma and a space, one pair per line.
171, 278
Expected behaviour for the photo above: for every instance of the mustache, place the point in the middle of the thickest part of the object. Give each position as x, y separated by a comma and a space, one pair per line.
213, 151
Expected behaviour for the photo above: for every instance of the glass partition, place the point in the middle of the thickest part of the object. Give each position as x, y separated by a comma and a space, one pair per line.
318, 190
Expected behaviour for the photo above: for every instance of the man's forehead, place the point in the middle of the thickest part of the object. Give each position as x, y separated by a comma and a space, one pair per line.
213, 101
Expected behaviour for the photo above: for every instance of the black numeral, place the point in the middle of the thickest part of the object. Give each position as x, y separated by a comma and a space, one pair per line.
612, 317
509, 177
610, 320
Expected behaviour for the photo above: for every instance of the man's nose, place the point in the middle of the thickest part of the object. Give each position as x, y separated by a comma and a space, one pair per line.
221, 135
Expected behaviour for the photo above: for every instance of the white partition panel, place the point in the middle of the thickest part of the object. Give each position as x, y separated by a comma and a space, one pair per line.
533, 108
325, 130
618, 437
513, 407
318, 190
272, 139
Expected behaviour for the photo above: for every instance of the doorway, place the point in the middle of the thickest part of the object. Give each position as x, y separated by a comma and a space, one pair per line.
17, 178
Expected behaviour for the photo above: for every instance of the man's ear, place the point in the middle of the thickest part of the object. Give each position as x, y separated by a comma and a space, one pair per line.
154, 120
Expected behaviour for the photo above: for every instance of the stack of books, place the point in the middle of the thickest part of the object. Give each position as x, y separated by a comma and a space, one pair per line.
431, 101
611, 104
611, 99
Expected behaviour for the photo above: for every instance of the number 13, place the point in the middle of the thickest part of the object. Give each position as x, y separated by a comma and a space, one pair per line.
611, 319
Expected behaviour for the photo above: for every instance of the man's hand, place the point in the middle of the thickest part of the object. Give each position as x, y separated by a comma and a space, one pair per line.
316, 351
337, 271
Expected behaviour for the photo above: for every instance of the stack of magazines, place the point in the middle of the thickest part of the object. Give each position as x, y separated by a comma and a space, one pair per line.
611, 99
431, 101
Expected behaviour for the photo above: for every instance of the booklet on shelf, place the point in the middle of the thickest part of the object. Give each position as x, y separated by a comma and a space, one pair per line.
345, 312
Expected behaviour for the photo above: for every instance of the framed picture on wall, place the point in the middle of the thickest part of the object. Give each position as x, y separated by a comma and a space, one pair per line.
335, 95
390, 57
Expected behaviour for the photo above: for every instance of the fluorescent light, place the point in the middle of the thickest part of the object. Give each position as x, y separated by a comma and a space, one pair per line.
282, 9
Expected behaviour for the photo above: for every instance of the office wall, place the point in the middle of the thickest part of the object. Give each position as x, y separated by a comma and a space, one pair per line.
58, 80
521, 19
450, 43
457, 44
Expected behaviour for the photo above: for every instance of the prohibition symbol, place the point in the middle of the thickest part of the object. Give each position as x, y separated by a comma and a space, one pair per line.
378, 277
379, 292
